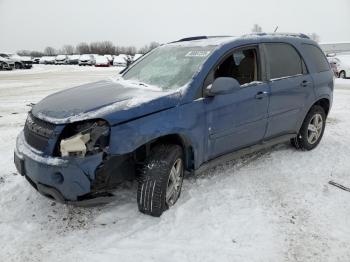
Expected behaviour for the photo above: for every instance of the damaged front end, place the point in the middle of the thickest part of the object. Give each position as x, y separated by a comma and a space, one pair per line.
70, 163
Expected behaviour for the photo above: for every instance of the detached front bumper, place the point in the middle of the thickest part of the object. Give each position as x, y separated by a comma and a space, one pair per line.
66, 180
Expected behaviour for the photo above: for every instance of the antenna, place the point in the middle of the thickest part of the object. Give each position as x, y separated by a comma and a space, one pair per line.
276, 29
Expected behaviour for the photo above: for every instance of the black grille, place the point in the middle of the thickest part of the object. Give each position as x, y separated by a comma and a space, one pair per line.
37, 132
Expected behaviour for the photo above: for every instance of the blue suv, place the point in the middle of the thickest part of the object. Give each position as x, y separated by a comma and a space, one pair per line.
181, 108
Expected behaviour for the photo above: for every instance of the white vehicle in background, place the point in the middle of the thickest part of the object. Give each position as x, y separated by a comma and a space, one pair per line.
102, 61
87, 59
61, 59
21, 62
73, 59
47, 60
6, 64
136, 56
110, 59
120, 61
342, 63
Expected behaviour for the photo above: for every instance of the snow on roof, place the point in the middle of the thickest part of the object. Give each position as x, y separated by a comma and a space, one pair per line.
101, 59
119, 59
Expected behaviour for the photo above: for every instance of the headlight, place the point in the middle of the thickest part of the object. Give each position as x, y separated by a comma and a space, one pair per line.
86, 138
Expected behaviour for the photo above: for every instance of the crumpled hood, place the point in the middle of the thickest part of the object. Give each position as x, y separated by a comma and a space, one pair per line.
115, 101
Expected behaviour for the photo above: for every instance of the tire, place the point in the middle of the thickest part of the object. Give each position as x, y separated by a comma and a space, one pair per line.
312, 129
163, 171
18, 66
342, 74
1, 66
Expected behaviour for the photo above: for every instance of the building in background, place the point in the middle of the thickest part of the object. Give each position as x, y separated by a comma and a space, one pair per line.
336, 47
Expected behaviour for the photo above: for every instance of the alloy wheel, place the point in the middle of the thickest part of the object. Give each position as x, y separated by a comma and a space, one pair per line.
315, 129
174, 182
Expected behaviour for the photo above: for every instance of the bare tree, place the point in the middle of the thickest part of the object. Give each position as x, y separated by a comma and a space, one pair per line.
107, 48
50, 51
95, 48
147, 48
83, 48
68, 50
257, 28
130, 50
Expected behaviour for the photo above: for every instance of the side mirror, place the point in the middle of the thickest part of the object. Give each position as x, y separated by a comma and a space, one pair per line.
221, 86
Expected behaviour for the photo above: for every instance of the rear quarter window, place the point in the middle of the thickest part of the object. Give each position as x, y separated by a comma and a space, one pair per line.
317, 58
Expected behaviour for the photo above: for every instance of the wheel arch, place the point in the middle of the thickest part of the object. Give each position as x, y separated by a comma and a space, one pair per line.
177, 139
324, 103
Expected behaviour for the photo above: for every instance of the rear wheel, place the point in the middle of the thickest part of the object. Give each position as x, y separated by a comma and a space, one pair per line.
161, 180
342, 74
311, 132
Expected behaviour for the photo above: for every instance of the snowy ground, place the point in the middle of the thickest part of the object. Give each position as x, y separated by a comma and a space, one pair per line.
272, 206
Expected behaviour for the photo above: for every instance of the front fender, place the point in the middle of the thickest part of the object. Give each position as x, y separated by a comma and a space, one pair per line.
185, 120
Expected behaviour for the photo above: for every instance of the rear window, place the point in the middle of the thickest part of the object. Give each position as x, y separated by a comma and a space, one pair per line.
317, 58
283, 60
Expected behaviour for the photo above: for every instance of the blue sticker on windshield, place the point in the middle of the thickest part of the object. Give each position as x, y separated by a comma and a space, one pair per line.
197, 54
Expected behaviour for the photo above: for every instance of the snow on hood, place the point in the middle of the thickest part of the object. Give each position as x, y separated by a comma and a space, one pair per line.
114, 100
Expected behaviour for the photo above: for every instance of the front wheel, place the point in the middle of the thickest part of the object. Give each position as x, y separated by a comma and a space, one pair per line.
161, 180
311, 132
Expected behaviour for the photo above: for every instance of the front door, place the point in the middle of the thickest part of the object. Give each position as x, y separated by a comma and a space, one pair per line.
238, 119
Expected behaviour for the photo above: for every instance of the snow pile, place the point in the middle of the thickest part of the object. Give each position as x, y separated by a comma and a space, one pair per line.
275, 205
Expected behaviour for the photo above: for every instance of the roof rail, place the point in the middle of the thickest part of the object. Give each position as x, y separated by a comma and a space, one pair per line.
280, 34
192, 38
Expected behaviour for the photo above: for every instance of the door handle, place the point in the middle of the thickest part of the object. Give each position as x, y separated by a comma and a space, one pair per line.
305, 83
261, 95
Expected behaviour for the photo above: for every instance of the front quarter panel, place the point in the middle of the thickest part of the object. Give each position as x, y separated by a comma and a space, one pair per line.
186, 120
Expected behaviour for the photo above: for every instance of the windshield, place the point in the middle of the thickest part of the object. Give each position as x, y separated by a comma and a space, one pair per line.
169, 67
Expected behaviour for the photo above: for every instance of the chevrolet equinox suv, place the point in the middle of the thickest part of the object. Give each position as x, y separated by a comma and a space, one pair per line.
181, 108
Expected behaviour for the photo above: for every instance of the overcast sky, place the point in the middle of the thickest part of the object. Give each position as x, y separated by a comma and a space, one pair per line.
35, 24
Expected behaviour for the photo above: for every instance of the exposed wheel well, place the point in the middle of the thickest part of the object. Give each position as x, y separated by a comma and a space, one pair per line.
142, 152
324, 103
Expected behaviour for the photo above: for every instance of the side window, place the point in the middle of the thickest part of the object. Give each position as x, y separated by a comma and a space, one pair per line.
317, 58
241, 65
284, 61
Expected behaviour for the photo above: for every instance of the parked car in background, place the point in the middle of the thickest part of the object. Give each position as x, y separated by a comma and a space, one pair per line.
36, 60
47, 60
73, 59
6, 64
185, 107
342, 65
102, 61
110, 59
136, 56
87, 59
7, 61
21, 62
120, 61
61, 60
334, 67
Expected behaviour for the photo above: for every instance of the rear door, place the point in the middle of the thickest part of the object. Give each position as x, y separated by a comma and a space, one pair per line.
290, 88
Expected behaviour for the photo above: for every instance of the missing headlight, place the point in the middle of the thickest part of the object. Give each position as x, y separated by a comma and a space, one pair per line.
84, 138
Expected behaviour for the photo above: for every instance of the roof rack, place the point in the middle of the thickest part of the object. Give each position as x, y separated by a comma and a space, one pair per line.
192, 38
280, 34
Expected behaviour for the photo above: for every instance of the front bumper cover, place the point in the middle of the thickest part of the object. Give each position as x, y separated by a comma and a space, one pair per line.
67, 180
